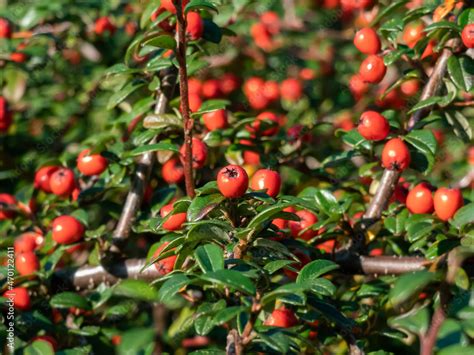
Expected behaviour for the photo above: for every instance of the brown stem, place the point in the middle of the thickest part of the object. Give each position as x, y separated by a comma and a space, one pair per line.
434, 83
234, 346
144, 167
183, 87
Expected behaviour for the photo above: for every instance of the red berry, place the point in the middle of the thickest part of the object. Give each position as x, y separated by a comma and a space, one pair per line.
272, 22
372, 69
262, 37
211, 89
373, 126
429, 50
228, 83
356, 4
327, 246
20, 297
5, 115
7, 201
62, 182
27, 242
43, 177
18, 57
307, 219
199, 153
447, 202
194, 86
232, 181
271, 90
67, 230
395, 155
283, 223
250, 156
195, 25
268, 180
104, 24
169, 5
291, 89
48, 339
283, 318
91, 164
358, 86
5, 28
26, 263
215, 119
412, 33
165, 265
172, 171
419, 199
467, 35
270, 119
117, 339
367, 41
253, 90
175, 221
410, 87
195, 102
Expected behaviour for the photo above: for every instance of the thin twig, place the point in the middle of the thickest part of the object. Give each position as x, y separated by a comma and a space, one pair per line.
183, 87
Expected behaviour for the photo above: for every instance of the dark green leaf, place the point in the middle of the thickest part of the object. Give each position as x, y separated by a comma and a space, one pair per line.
172, 286
123, 93
136, 289
464, 216
313, 270
460, 125
153, 148
232, 279
425, 142
202, 205
161, 41
200, 4
408, 285
68, 300
458, 73
209, 257
39, 347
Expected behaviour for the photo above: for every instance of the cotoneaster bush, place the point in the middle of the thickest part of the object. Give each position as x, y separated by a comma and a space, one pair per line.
235, 176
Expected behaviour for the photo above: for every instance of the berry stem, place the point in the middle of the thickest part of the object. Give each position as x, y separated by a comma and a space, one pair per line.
184, 94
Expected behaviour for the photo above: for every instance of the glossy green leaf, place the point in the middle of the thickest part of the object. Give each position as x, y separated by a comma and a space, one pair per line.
136, 289
464, 216
202, 205
68, 300
313, 270
409, 285
153, 148
232, 279
171, 286
209, 257
425, 142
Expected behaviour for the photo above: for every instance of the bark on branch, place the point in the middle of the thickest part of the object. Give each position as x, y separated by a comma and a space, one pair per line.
144, 167
89, 277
